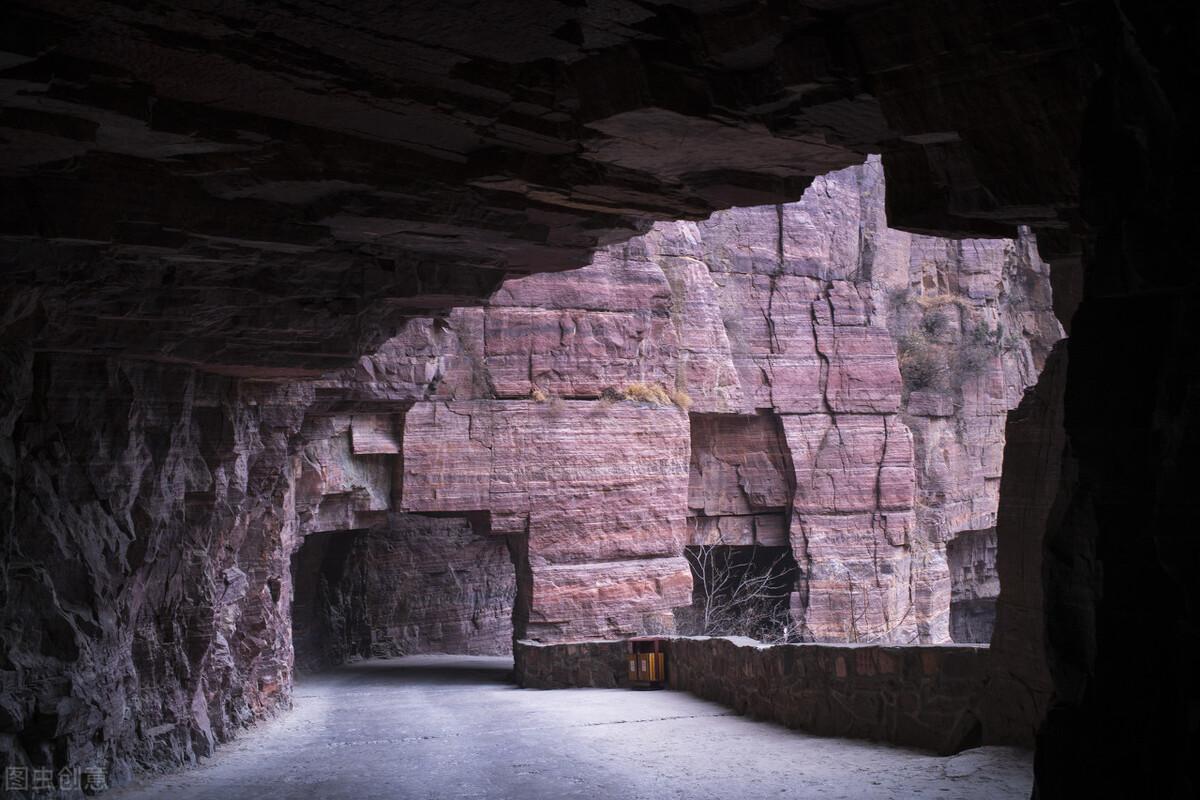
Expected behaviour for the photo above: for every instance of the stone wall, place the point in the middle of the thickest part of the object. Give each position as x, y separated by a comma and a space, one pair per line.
594, 664
923, 696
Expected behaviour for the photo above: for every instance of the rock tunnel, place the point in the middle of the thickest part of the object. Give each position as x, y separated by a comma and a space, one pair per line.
330, 335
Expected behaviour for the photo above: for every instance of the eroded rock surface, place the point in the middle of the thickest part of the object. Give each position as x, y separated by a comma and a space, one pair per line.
847, 386
147, 592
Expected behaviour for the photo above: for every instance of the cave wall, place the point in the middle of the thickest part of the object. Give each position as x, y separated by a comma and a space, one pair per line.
1121, 543
147, 588
151, 512
1019, 683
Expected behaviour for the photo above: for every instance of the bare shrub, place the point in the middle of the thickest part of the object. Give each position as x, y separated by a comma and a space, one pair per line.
934, 324
980, 346
983, 336
971, 360
897, 299
739, 593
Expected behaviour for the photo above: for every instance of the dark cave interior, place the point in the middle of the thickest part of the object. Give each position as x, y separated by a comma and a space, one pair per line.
216, 221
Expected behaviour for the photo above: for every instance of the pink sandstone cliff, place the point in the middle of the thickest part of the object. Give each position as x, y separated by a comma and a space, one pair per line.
842, 389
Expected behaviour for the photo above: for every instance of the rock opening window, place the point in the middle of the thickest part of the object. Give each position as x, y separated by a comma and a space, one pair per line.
974, 585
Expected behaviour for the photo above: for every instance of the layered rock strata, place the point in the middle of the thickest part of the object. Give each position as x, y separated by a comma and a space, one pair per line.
741, 482
597, 493
847, 387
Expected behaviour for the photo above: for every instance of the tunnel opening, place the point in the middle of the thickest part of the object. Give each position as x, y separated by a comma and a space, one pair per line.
417, 585
206, 301
325, 623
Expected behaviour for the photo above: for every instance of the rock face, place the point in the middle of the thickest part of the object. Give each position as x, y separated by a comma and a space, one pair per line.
148, 601
596, 492
173, 190
147, 597
741, 482
847, 387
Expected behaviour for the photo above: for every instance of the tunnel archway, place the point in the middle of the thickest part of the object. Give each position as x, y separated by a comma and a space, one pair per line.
415, 585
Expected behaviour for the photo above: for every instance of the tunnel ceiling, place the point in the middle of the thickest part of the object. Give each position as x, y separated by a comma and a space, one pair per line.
269, 190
